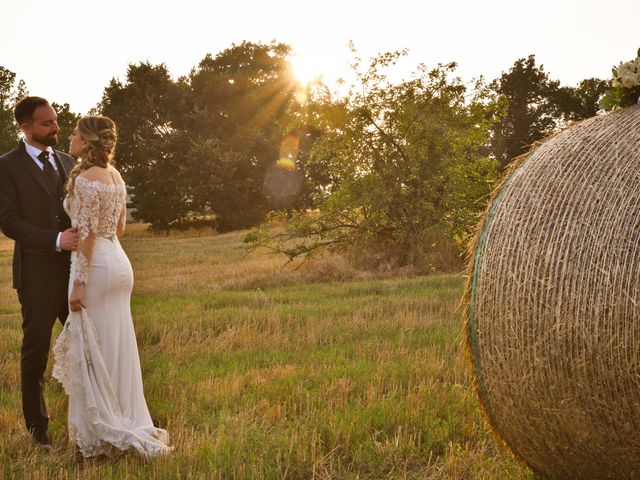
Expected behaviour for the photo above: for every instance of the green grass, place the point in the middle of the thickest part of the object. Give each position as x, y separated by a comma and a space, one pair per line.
265, 372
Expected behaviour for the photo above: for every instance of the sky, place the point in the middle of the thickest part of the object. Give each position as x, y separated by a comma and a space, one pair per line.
68, 50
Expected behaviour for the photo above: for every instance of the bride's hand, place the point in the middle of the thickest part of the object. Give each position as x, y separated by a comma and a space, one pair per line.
76, 301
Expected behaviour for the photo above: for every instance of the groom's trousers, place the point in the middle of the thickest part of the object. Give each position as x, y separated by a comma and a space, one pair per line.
43, 297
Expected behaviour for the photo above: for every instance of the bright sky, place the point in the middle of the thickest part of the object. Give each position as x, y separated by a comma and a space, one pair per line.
67, 51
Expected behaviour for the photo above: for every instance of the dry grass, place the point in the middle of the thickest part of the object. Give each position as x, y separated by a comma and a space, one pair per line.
260, 371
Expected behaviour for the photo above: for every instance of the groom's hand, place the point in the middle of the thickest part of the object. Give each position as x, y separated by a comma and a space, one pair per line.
69, 239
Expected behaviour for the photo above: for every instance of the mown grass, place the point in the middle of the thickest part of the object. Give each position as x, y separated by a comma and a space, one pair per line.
265, 372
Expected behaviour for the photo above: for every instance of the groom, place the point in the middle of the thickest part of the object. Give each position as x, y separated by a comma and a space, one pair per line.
32, 179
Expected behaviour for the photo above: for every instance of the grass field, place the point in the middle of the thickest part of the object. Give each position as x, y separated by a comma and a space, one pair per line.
265, 372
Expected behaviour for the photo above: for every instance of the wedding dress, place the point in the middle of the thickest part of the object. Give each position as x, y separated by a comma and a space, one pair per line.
96, 354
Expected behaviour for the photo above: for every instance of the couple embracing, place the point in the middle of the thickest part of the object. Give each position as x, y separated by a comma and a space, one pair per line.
66, 218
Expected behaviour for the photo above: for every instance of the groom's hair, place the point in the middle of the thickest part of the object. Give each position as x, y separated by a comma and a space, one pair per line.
24, 108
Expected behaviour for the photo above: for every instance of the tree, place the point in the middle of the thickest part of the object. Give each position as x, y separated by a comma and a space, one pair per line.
531, 112
242, 102
408, 163
11, 91
149, 109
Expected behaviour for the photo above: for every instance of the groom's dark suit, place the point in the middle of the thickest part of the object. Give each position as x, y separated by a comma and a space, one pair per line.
31, 213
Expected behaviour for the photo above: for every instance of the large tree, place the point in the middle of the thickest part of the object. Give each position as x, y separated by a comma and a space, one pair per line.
531, 112
407, 161
242, 101
149, 109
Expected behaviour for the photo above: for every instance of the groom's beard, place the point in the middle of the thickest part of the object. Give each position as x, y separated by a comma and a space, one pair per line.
50, 140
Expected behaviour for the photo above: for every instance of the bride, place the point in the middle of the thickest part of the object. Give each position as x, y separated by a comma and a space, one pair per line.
96, 354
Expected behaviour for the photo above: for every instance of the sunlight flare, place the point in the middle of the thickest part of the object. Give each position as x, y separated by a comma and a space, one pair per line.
305, 69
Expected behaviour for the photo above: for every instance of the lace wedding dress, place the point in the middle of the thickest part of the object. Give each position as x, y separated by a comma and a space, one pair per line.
96, 354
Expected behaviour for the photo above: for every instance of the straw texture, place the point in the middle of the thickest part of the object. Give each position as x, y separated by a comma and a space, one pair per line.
553, 303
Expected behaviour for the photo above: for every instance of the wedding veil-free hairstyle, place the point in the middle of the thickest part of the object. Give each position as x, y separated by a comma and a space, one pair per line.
101, 136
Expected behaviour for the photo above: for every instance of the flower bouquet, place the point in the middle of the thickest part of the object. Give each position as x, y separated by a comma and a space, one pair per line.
625, 85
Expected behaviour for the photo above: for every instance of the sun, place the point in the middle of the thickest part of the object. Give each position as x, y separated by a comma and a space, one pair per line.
304, 69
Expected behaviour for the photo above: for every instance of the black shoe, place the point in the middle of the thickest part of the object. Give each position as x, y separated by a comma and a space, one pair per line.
41, 438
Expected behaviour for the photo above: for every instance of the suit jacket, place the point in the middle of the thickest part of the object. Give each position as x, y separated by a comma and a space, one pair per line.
29, 213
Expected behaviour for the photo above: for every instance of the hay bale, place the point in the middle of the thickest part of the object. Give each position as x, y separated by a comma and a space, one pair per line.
553, 303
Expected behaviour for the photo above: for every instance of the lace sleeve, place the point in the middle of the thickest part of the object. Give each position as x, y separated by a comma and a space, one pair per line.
88, 215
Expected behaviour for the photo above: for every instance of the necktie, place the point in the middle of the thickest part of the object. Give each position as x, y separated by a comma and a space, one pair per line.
50, 174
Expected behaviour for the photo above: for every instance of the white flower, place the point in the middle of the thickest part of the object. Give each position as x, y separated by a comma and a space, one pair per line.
616, 83
629, 79
624, 68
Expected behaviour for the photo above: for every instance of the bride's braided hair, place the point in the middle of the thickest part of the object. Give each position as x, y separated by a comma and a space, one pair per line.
100, 134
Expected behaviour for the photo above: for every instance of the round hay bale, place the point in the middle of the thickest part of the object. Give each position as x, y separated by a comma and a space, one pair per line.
553, 303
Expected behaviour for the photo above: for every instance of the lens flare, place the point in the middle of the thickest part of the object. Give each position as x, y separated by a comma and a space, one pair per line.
282, 186
283, 181
286, 164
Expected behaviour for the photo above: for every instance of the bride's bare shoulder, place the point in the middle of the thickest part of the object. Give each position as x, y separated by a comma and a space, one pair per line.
95, 173
107, 175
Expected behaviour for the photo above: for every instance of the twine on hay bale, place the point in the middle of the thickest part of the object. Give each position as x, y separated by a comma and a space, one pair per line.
553, 303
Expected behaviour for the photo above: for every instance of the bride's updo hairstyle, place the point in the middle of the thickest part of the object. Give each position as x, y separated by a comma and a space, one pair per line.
100, 135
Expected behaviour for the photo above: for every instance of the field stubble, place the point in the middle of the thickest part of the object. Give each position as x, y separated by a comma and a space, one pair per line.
263, 371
